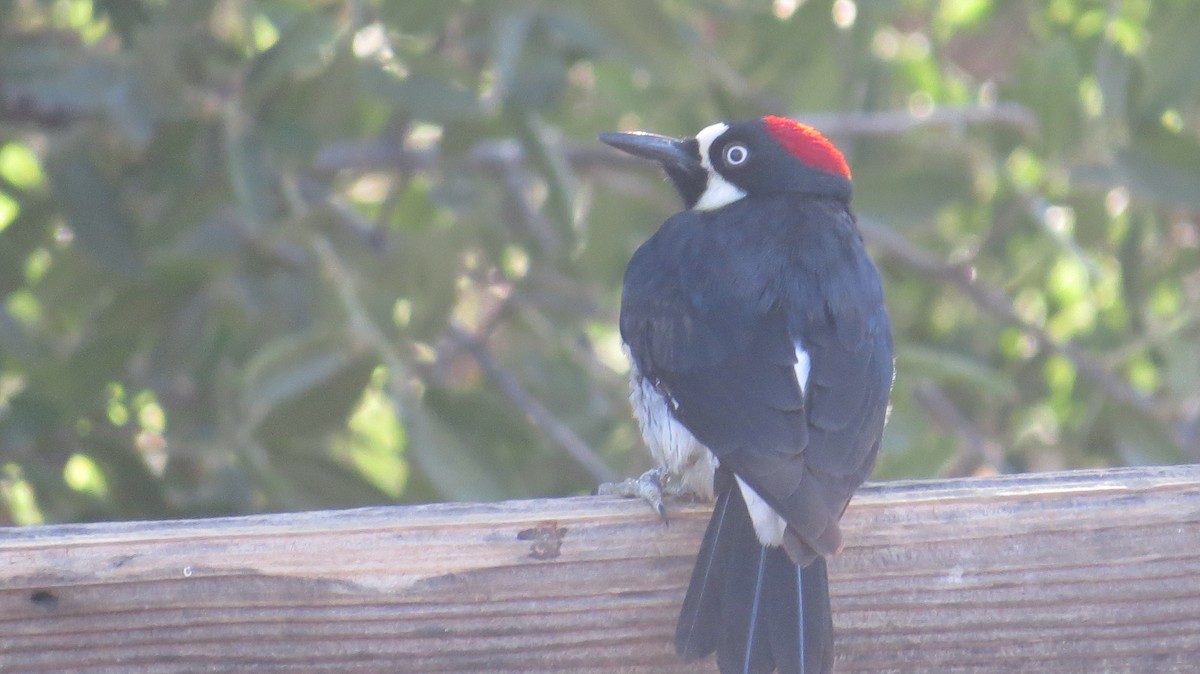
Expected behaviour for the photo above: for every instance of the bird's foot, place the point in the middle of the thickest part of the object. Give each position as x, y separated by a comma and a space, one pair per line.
651, 486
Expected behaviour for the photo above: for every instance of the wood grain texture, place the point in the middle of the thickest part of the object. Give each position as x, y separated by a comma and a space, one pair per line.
1080, 572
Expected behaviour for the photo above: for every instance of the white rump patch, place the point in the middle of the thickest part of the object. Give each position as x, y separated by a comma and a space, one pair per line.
768, 524
719, 191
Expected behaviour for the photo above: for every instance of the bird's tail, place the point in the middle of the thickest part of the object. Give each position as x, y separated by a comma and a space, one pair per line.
750, 603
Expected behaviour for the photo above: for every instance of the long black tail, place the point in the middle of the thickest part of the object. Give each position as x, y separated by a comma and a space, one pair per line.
750, 603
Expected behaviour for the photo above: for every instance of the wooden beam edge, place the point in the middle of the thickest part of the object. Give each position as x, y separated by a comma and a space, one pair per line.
1068, 573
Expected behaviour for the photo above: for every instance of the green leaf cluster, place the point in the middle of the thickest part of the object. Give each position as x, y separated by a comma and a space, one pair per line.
277, 254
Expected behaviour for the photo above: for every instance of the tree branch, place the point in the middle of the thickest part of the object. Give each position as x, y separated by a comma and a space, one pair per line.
1000, 306
534, 410
385, 153
898, 122
976, 449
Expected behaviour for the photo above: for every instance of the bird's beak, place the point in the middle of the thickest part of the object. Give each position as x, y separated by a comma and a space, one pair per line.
678, 152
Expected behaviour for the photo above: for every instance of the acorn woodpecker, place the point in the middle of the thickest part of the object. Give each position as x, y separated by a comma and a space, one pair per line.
761, 369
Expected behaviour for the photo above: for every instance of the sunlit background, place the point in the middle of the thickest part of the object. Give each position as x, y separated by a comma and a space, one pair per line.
277, 254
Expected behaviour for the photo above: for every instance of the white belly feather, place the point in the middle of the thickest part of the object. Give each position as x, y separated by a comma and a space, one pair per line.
672, 446
676, 450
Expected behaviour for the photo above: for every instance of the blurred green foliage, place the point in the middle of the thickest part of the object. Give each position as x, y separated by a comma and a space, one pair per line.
283, 254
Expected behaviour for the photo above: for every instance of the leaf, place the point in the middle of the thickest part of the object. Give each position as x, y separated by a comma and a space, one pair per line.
913, 190
1164, 167
1113, 70
28, 61
421, 95
508, 41
26, 232
310, 480
1141, 441
949, 366
91, 202
456, 473
1152, 173
1172, 78
1048, 80
416, 17
15, 345
909, 451
250, 173
301, 384
134, 491
54, 84
650, 37
304, 48
125, 15
579, 37
552, 164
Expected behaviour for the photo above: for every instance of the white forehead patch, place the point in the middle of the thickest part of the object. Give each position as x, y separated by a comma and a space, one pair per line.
719, 191
706, 137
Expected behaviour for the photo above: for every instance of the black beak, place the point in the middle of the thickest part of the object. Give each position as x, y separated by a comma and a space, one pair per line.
678, 152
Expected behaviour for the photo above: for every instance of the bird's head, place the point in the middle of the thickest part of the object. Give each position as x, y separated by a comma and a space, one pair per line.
729, 161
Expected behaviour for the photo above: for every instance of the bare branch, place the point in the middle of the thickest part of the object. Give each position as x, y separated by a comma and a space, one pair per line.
897, 122
386, 153
976, 449
1000, 306
534, 410
360, 324
507, 167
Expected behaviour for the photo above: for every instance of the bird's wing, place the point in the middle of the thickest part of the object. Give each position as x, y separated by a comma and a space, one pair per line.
846, 403
725, 354
723, 359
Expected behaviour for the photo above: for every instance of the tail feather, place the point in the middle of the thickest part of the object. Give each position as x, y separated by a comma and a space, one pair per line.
699, 625
744, 644
817, 620
808, 635
750, 603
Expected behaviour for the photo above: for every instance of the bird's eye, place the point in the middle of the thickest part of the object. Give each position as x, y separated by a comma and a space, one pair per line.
736, 154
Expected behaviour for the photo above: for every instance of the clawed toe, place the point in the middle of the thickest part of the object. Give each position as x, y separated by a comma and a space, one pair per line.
648, 487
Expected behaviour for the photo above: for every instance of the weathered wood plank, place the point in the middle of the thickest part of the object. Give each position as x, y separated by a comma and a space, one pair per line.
1078, 572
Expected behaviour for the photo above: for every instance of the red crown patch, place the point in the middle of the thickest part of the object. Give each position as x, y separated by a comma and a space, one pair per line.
807, 144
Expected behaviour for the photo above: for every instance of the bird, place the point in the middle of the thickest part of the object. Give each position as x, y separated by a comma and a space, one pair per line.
761, 371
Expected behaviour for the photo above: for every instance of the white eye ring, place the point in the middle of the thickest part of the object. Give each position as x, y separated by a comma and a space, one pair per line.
736, 154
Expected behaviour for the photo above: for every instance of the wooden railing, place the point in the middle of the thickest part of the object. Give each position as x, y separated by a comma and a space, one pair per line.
1079, 572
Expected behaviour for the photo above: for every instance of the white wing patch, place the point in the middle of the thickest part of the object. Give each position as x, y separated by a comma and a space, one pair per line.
719, 191
802, 367
768, 524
